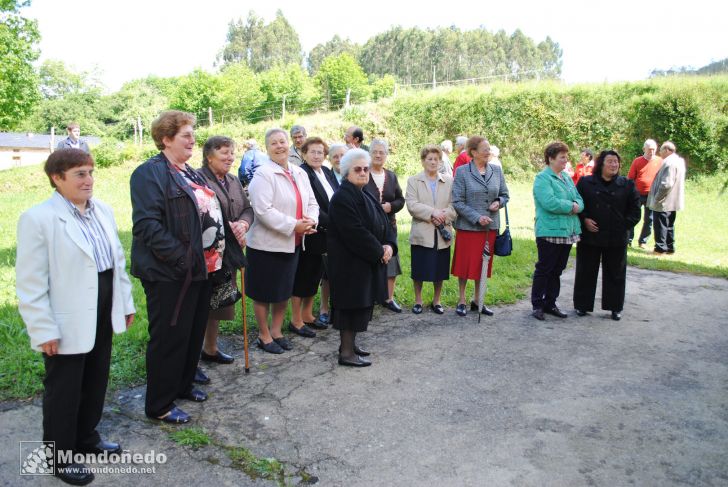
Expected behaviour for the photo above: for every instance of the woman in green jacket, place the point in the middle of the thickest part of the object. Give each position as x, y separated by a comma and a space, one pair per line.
557, 228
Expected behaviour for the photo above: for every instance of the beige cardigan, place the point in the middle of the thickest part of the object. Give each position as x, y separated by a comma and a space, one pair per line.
274, 202
420, 205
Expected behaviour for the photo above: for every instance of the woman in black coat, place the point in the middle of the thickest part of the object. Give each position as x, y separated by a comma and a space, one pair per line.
384, 186
310, 262
611, 210
361, 242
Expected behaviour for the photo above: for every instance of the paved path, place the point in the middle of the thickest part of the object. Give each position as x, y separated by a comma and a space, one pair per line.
448, 402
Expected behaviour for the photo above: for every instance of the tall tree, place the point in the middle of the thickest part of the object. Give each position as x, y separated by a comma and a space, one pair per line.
335, 46
18, 81
262, 46
339, 74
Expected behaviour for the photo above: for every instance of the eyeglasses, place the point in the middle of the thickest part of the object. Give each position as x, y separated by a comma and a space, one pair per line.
358, 169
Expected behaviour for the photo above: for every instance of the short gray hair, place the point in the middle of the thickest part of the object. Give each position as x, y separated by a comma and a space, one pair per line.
494, 150
296, 129
381, 142
446, 145
669, 145
352, 156
269, 133
650, 143
460, 141
335, 147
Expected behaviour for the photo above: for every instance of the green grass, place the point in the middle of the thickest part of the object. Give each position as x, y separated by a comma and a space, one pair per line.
265, 468
701, 229
194, 437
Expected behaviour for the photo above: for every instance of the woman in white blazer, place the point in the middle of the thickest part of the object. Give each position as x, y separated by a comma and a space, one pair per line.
285, 212
73, 292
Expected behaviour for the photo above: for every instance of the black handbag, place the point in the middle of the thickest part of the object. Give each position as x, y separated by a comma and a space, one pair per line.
503, 242
224, 291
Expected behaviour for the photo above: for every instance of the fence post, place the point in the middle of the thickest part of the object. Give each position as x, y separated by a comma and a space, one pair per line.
348, 97
141, 129
136, 130
283, 108
434, 71
53, 139
209, 115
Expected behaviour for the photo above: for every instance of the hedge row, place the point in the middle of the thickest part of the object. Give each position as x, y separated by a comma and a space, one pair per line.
522, 118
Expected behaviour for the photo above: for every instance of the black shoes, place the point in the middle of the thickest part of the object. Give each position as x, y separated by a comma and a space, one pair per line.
437, 308
271, 347
357, 362
219, 357
538, 314
200, 377
304, 331
392, 306
175, 416
461, 310
581, 312
75, 474
417, 309
555, 311
317, 323
195, 395
283, 343
101, 447
616, 315
485, 310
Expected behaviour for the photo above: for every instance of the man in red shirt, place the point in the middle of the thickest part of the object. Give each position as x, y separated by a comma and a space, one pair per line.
643, 171
463, 157
585, 167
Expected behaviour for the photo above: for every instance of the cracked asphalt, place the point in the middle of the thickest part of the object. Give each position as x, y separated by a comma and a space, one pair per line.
448, 402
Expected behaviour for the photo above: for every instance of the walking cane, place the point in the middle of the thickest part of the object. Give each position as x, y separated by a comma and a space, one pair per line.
487, 255
245, 321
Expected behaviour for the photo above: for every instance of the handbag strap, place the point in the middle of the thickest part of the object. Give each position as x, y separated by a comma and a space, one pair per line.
507, 223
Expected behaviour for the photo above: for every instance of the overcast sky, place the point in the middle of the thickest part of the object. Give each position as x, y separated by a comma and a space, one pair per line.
601, 41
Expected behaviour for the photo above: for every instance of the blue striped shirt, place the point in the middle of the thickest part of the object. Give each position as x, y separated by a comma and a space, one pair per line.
94, 233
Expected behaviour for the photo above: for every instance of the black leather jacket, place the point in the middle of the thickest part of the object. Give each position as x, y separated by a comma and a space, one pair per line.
167, 233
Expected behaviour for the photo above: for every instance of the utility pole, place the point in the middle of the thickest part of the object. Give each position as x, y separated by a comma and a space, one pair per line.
53, 139
209, 115
348, 97
434, 71
283, 108
141, 129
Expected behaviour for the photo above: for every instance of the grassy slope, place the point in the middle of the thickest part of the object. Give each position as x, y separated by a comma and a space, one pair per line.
700, 231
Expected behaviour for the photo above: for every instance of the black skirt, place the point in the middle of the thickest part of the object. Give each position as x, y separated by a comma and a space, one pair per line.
308, 275
352, 319
430, 264
269, 275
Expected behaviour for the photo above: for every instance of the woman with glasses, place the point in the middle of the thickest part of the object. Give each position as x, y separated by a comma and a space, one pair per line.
361, 241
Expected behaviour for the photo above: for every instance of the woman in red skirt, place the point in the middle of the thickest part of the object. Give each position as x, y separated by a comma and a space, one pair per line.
478, 192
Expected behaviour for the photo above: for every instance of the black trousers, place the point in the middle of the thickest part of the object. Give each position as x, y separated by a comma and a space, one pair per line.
552, 259
646, 223
614, 276
174, 348
75, 385
664, 223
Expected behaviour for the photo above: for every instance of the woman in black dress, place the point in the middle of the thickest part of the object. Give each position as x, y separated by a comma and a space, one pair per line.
310, 262
361, 242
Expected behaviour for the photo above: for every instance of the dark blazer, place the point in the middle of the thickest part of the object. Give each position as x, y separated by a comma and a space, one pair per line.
615, 207
391, 194
317, 242
167, 233
358, 227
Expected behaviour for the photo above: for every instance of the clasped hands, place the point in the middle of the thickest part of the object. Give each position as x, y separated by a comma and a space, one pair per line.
438, 217
305, 226
486, 220
388, 252
240, 228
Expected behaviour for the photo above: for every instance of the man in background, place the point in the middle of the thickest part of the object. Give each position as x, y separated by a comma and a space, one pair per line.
298, 137
73, 141
354, 138
252, 158
643, 171
462, 158
667, 197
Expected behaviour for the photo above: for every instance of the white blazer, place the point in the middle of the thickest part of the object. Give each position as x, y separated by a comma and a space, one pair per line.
57, 279
274, 203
